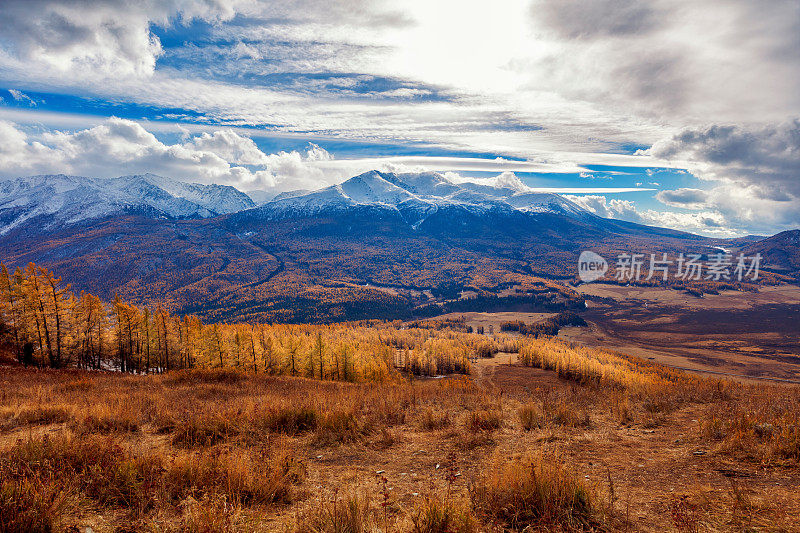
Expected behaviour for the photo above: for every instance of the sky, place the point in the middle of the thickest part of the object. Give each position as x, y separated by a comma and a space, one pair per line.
676, 113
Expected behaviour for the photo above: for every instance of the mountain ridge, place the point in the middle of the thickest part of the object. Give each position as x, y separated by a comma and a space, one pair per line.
60, 199
416, 196
378, 245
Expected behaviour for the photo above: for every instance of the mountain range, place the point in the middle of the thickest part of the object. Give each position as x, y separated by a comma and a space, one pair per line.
58, 200
379, 245
416, 196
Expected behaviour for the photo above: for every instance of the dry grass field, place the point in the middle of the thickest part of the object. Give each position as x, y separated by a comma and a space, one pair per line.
555, 438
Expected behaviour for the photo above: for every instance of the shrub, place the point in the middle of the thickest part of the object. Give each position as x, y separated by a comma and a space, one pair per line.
98, 466
106, 419
38, 415
523, 492
30, 505
205, 429
105, 471
529, 416
483, 420
568, 415
291, 420
338, 427
210, 514
430, 420
243, 478
437, 516
351, 514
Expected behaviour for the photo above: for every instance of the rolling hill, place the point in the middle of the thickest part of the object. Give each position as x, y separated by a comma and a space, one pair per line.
781, 252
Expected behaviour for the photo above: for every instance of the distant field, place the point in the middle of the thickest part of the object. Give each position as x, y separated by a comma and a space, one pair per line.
476, 319
742, 334
779, 294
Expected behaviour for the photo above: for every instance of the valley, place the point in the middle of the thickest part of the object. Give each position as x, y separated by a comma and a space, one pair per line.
743, 335
350, 252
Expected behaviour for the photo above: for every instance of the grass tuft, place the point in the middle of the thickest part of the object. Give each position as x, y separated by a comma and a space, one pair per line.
438, 516
350, 514
525, 492
484, 420
31, 505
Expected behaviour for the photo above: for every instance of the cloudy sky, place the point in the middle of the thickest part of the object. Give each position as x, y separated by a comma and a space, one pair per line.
695, 103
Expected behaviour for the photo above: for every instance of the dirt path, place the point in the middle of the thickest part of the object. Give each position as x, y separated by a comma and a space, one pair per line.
484, 369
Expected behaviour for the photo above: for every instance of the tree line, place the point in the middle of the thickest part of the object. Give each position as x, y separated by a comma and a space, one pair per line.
45, 324
548, 327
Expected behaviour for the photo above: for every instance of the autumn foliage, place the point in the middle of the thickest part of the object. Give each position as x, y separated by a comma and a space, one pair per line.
46, 324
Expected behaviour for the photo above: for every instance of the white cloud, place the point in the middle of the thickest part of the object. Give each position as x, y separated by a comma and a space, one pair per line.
558, 84
113, 37
18, 154
230, 146
589, 74
755, 172
556, 162
501, 92
764, 156
120, 146
674, 61
19, 96
708, 222
601, 206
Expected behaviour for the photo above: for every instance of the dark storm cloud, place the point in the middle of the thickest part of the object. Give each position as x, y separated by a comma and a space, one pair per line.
767, 157
683, 197
578, 19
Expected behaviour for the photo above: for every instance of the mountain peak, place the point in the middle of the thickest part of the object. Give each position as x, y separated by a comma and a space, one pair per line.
63, 199
416, 195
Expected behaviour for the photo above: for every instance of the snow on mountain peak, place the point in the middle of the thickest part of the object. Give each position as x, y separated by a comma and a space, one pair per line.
65, 200
73, 199
417, 195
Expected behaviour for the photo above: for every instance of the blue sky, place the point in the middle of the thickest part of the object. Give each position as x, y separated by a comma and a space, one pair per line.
691, 111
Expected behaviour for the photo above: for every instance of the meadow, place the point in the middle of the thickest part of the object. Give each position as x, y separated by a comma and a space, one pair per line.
556, 437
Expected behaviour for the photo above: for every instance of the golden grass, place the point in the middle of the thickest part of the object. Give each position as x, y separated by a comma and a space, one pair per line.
758, 421
351, 513
188, 450
484, 420
535, 492
530, 416
443, 516
31, 505
223, 449
31, 415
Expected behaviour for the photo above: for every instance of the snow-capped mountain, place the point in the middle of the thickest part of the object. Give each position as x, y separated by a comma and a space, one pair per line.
418, 195
67, 200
